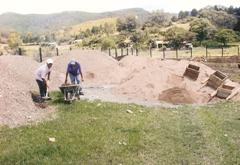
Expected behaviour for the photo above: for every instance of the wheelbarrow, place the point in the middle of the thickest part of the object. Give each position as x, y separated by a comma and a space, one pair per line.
70, 92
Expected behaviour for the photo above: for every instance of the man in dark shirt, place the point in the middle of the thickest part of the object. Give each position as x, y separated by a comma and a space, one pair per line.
74, 71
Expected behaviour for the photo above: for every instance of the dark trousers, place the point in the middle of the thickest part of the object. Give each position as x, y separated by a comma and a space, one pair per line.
42, 88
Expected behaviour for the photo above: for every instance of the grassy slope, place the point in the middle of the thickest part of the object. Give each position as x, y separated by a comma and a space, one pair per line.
88, 25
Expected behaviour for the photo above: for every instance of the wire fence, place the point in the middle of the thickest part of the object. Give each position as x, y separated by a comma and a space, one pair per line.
41, 53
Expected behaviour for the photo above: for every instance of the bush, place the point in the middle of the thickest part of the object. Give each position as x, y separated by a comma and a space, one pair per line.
212, 44
107, 43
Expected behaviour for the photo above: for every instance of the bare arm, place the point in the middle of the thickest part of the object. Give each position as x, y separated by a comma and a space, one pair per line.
66, 77
49, 76
81, 76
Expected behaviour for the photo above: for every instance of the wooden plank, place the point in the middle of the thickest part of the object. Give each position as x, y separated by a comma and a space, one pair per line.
233, 94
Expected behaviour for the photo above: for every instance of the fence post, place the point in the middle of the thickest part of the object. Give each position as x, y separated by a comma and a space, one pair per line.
191, 52
109, 52
121, 51
150, 52
238, 50
57, 51
136, 51
206, 52
116, 52
40, 54
164, 53
132, 50
176, 52
20, 51
127, 51
222, 51
70, 48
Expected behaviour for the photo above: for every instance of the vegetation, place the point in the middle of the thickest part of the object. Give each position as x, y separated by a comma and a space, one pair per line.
104, 133
136, 26
225, 36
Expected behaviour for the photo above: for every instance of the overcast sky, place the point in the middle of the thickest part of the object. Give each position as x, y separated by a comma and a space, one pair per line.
94, 6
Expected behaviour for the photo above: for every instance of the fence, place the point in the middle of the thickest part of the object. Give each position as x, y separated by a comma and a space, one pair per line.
182, 53
44, 52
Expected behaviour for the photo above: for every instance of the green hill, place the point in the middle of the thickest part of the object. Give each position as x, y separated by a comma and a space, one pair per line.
40, 23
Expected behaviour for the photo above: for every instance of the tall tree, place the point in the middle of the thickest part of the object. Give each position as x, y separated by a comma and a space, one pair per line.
130, 23
203, 28
225, 36
160, 17
183, 14
139, 37
177, 35
194, 12
219, 19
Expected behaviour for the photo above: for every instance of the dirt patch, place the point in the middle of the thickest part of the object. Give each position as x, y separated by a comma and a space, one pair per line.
141, 80
37, 101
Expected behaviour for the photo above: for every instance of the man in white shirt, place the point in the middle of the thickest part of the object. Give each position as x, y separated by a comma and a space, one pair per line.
40, 75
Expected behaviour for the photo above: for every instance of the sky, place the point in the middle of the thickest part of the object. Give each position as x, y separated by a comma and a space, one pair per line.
96, 6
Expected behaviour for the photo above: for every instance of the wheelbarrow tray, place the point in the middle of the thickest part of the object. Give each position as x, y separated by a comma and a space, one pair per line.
68, 87
70, 92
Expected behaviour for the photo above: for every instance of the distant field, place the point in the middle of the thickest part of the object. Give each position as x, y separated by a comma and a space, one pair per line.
34, 53
90, 24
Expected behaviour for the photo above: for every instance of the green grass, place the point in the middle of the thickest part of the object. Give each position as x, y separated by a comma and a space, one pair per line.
104, 133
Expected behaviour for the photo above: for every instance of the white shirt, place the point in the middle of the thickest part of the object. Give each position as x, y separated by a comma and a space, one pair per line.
42, 72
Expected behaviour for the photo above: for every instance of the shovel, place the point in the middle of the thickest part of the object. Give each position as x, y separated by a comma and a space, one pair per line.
47, 95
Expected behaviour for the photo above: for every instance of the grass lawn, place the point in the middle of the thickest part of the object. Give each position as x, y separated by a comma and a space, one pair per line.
104, 133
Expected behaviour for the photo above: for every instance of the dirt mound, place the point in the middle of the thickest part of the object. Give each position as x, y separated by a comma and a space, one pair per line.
146, 79
177, 95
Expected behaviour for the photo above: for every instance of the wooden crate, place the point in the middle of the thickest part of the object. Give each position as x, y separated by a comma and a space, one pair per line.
192, 71
217, 79
224, 91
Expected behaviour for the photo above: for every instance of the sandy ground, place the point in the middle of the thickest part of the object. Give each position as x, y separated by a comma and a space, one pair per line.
141, 80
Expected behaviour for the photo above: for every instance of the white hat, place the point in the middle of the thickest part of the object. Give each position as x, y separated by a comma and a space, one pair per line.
73, 61
49, 61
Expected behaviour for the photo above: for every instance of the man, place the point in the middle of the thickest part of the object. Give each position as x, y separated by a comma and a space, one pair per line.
40, 75
74, 71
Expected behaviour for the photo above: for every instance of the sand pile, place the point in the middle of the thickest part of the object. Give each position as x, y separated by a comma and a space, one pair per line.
148, 79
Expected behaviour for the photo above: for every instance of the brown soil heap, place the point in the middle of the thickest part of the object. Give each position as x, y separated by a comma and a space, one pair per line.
132, 78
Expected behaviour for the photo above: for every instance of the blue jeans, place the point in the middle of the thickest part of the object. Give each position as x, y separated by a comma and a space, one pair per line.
75, 79
42, 88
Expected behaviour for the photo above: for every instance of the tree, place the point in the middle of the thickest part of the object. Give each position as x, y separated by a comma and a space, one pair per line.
225, 36
130, 23
14, 40
174, 19
230, 10
203, 29
121, 24
139, 37
108, 28
95, 30
183, 15
159, 17
177, 35
219, 19
194, 12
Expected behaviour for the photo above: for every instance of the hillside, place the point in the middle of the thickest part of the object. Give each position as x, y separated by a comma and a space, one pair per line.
40, 23
88, 25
